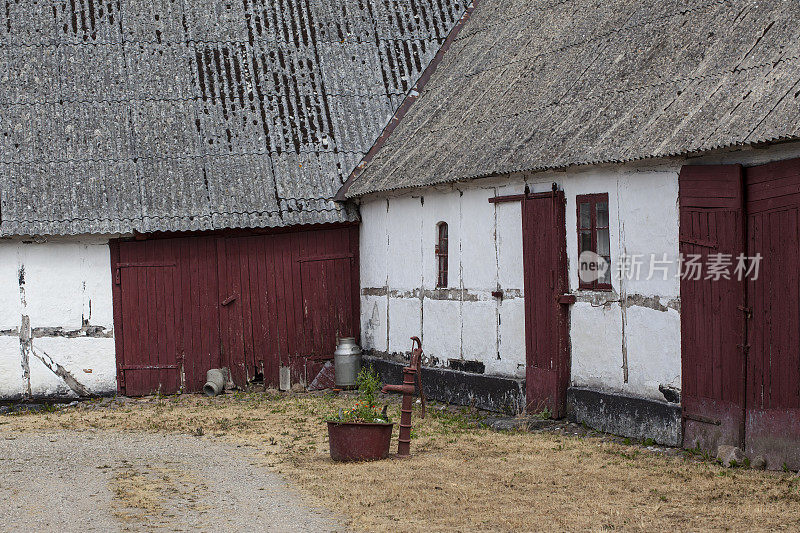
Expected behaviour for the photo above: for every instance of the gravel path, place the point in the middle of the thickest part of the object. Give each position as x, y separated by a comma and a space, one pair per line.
69, 481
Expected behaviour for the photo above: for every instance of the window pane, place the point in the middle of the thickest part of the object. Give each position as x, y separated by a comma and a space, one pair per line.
602, 214
584, 241
585, 216
606, 277
603, 246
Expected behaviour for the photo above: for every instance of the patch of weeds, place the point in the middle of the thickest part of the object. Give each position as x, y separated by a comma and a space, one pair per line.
625, 455
697, 451
649, 442
450, 420
544, 414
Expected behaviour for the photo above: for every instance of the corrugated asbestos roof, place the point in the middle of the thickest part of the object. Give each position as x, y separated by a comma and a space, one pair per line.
535, 85
171, 115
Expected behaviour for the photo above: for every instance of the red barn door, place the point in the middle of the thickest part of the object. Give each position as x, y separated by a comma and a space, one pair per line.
252, 303
166, 317
328, 269
286, 299
712, 321
546, 320
773, 359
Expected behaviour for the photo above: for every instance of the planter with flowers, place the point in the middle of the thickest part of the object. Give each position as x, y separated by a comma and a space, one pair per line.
361, 433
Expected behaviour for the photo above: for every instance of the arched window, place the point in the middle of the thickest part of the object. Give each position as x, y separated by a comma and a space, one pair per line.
441, 254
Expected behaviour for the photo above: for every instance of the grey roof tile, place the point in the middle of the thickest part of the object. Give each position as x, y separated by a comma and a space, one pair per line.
532, 85
170, 115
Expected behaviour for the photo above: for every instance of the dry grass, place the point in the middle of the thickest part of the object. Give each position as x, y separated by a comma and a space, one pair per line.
149, 496
462, 478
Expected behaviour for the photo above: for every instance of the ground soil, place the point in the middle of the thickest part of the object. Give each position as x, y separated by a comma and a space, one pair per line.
64, 480
461, 476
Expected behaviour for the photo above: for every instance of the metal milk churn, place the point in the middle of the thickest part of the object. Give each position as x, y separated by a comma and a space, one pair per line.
347, 362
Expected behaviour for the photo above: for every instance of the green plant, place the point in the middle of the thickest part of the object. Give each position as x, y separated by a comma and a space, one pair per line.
366, 408
544, 414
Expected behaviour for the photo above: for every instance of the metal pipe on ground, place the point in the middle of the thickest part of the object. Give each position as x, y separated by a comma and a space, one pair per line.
216, 378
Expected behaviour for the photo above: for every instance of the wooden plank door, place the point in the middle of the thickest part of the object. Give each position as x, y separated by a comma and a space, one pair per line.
261, 317
546, 320
145, 276
712, 321
285, 299
252, 303
329, 285
166, 314
245, 309
773, 360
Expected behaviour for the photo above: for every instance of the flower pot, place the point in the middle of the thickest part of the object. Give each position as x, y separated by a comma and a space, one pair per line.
359, 441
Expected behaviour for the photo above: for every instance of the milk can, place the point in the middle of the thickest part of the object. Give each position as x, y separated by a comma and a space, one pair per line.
347, 362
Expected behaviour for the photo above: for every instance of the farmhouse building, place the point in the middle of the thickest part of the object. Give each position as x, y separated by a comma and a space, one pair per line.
167, 172
583, 208
645, 135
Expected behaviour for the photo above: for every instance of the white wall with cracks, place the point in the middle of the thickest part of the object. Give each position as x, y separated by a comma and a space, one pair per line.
626, 340
56, 319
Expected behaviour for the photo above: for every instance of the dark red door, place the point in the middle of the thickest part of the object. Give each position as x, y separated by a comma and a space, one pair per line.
165, 314
149, 318
546, 320
247, 279
330, 294
712, 321
253, 303
285, 299
773, 360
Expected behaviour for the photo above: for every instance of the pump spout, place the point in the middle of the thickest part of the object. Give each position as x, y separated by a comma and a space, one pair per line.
402, 389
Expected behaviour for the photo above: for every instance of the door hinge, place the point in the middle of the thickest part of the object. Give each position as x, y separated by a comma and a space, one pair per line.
748, 311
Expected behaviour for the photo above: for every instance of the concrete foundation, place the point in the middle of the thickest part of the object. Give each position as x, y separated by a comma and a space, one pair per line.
627, 416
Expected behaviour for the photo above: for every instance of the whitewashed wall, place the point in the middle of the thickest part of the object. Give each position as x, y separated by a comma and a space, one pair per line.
637, 325
64, 288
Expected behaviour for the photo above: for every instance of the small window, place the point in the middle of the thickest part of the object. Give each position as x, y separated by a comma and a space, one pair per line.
441, 254
593, 236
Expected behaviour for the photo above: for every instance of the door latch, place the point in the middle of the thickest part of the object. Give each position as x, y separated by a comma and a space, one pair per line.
567, 299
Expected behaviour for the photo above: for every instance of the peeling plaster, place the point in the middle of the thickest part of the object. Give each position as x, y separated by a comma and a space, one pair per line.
627, 339
63, 302
61, 372
606, 298
25, 350
454, 295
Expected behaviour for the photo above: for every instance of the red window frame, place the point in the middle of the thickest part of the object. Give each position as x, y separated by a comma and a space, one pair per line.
441, 254
592, 200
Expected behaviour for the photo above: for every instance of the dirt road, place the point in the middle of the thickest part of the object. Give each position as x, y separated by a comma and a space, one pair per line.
107, 481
